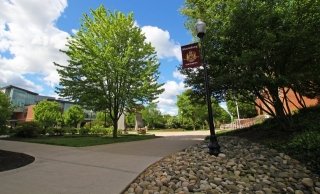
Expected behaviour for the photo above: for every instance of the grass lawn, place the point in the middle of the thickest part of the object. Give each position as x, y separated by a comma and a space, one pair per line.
82, 141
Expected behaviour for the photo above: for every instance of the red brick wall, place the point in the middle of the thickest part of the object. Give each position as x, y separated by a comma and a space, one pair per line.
30, 113
293, 102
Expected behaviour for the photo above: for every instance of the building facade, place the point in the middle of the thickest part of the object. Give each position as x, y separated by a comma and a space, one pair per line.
23, 102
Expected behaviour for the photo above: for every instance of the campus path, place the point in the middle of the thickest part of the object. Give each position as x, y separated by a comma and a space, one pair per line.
104, 169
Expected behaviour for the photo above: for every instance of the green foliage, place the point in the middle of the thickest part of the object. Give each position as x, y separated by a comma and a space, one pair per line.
152, 116
130, 120
258, 48
69, 130
193, 113
172, 122
47, 113
246, 110
5, 110
84, 131
103, 118
27, 130
100, 130
73, 116
111, 66
308, 140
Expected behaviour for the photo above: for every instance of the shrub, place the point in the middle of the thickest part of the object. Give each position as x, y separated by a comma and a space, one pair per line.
307, 140
84, 131
71, 130
27, 129
59, 131
3, 130
100, 130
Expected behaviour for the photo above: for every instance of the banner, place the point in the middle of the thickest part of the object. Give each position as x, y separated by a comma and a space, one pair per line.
190, 56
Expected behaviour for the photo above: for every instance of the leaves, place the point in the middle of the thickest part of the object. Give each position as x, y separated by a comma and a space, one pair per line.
111, 67
257, 48
5, 109
73, 116
47, 113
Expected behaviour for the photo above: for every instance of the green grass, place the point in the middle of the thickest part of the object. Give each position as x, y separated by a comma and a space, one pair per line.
82, 141
301, 143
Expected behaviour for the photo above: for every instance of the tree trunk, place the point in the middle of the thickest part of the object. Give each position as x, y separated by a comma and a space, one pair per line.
281, 116
105, 119
115, 128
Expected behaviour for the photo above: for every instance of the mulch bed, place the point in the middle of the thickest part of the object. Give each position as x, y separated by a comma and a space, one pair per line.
11, 160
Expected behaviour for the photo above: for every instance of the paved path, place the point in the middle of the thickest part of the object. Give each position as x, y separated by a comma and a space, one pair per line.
96, 169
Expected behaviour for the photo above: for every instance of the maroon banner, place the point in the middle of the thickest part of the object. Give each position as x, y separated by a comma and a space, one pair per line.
190, 56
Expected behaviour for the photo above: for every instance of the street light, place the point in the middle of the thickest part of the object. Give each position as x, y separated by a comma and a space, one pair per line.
214, 147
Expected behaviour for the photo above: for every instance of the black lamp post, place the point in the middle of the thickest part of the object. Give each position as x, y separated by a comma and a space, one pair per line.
214, 148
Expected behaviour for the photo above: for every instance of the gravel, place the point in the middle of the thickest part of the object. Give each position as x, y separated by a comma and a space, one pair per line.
243, 167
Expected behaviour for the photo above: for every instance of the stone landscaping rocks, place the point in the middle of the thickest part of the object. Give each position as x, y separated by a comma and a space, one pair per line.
243, 167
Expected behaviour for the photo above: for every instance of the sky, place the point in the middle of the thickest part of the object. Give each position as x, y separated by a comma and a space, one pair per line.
33, 31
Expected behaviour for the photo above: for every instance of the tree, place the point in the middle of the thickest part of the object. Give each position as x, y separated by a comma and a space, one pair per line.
246, 110
111, 66
47, 113
152, 116
73, 116
103, 117
190, 111
5, 109
259, 49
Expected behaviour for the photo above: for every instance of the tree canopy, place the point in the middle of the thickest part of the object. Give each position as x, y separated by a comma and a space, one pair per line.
111, 66
5, 109
259, 49
73, 116
48, 113
194, 112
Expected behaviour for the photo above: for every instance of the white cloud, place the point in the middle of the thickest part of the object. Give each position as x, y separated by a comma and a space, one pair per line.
167, 100
11, 78
74, 31
178, 75
164, 45
28, 32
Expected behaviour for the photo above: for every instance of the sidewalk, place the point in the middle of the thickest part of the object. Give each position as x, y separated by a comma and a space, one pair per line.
96, 169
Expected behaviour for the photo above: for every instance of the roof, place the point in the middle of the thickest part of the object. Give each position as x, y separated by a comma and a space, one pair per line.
12, 86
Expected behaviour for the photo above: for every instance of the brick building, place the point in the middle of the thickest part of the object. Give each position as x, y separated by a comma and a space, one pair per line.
293, 102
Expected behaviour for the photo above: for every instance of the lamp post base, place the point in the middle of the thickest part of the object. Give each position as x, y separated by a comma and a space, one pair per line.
214, 147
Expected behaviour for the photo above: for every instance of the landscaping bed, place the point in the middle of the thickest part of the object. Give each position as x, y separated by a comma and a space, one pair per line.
11, 160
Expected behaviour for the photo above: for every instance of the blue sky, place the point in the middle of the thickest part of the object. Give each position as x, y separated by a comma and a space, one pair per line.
33, 31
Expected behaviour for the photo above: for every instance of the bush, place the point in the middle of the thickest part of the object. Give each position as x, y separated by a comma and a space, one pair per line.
27, 129
307, 140
59, 131
84, 131
71, 130
3, 130
100, 130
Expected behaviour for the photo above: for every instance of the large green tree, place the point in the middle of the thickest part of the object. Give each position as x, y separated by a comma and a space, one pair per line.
152, 116
259, 49
48, 113
246, 109
73, 116
193, 110
190, 111
5, 109
111, 66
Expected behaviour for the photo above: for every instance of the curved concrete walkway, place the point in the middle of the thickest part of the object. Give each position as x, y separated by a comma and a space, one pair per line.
95, 169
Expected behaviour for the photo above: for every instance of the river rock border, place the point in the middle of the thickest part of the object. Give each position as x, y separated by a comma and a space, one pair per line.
243, 167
